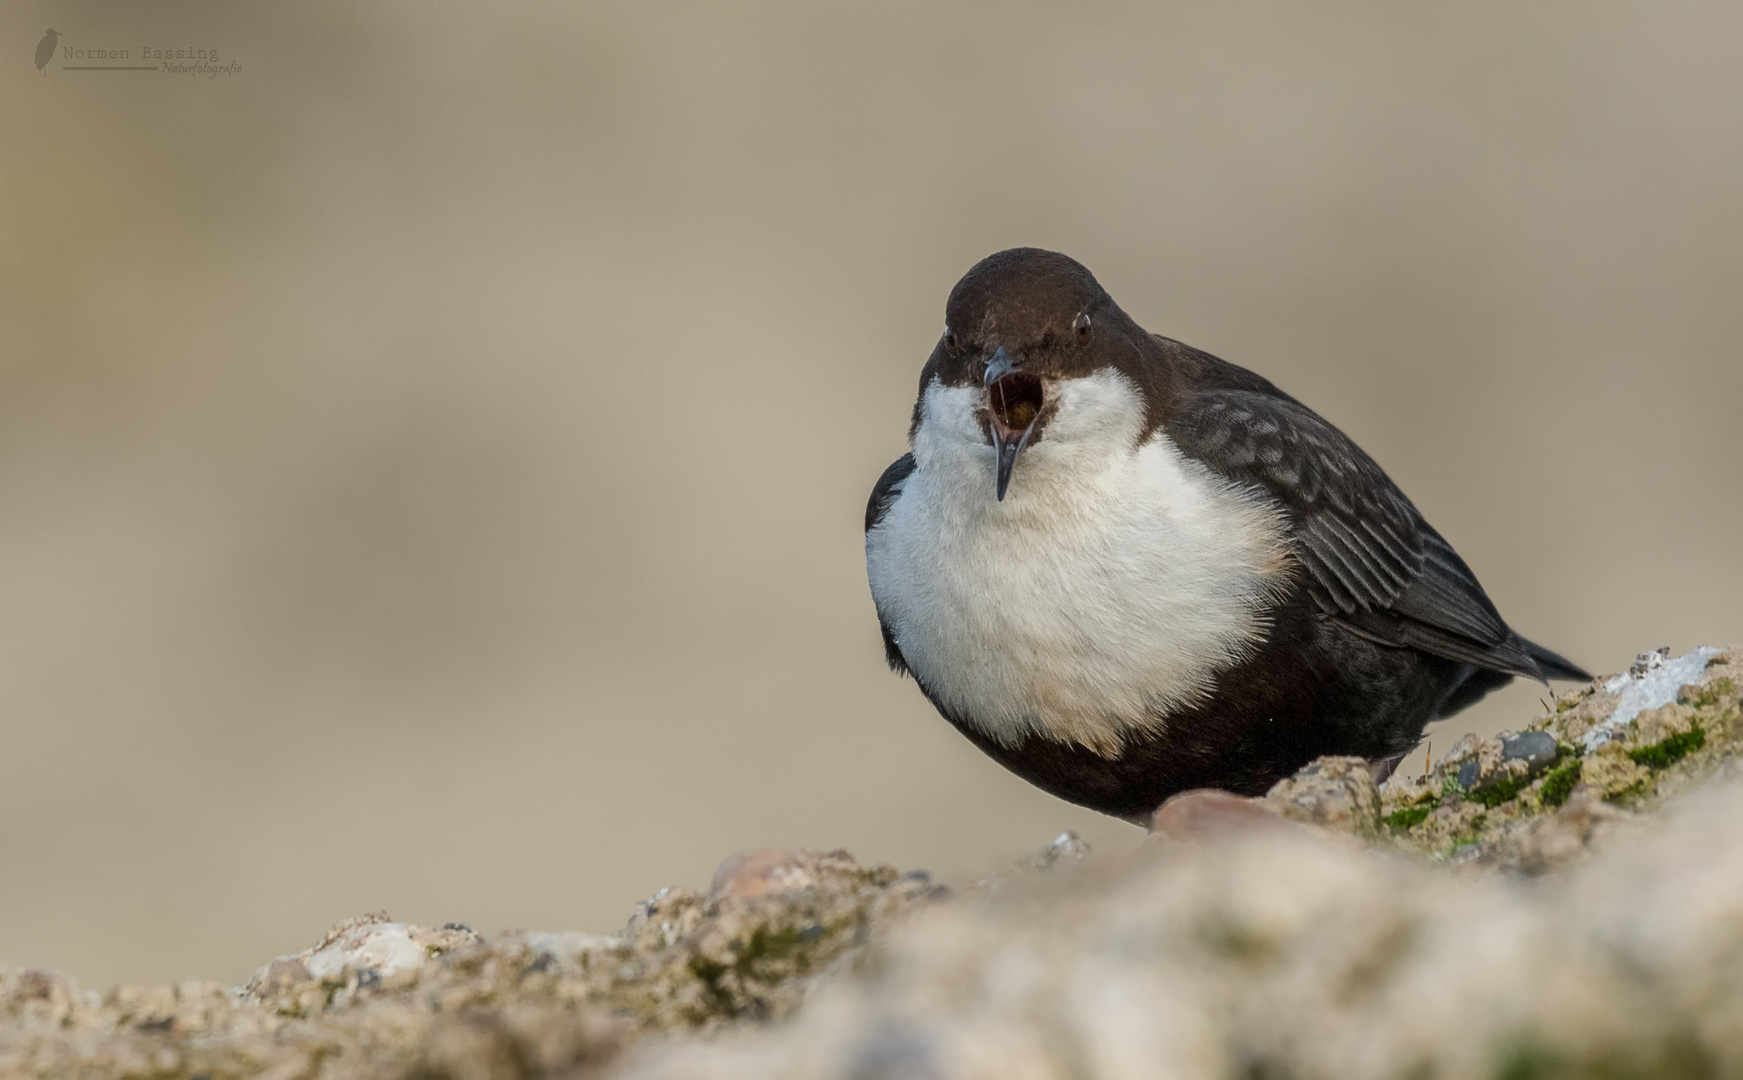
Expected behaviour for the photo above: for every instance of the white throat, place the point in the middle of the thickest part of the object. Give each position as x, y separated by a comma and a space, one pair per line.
1106, 592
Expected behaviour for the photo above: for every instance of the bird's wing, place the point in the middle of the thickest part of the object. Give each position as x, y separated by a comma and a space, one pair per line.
883, 494
1374, 565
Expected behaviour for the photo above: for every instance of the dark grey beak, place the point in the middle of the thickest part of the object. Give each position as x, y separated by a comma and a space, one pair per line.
1014, 399
1008, 451
997, 368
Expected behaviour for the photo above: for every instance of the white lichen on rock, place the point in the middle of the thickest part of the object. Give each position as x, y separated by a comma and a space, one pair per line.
1652, 682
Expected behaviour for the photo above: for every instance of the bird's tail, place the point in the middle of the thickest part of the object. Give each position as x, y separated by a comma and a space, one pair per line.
1553, 666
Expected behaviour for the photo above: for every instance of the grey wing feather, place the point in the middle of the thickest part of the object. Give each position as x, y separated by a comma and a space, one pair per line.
1374, 565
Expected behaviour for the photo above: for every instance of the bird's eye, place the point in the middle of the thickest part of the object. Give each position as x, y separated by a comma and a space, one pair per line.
949, 339
1081, 323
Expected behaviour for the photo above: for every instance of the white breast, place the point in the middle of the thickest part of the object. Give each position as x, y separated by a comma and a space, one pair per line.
1107, 590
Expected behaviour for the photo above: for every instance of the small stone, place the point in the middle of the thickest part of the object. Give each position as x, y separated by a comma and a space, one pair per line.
1536, 748
36, 985
284, 972
48, 996
1336, 792
1462, 750
1191, 815
771, 871
758, 873
1469, 773
1066, 847
384, 947
1468, 853
1648, 661
1656, 725
664, 918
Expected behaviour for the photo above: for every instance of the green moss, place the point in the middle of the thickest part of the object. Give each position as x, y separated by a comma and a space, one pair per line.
758, 959
1559, 782
1492, 797
1239, 943
1669, 751
709, 972
1449, 787
1641, 786
766, 944
1411, 816
1531, 1062
1572, 698
1678, 1058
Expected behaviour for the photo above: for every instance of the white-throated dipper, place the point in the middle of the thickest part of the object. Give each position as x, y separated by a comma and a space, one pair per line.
1125, 568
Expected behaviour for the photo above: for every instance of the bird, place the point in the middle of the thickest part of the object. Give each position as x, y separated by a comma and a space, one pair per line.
1125, 568
45, 49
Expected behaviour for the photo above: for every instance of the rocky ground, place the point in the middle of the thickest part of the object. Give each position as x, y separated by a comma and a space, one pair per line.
1564, 901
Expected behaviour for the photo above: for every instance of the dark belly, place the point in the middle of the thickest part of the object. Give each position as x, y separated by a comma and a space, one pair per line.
1312, 689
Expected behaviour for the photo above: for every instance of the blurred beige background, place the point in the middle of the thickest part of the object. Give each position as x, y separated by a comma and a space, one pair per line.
432, 459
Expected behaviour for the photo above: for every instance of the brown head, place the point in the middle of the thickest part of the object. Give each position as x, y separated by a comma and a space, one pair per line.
1016, 325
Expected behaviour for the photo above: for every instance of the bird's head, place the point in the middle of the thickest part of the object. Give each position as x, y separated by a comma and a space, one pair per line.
1020, 328
53, 33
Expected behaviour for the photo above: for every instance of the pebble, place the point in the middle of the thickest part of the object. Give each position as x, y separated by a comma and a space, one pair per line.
760, 872
285, 972
1206, 812
1336, 792
1536, 748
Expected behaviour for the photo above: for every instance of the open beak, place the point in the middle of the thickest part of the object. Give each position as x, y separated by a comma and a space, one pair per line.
1014, 400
